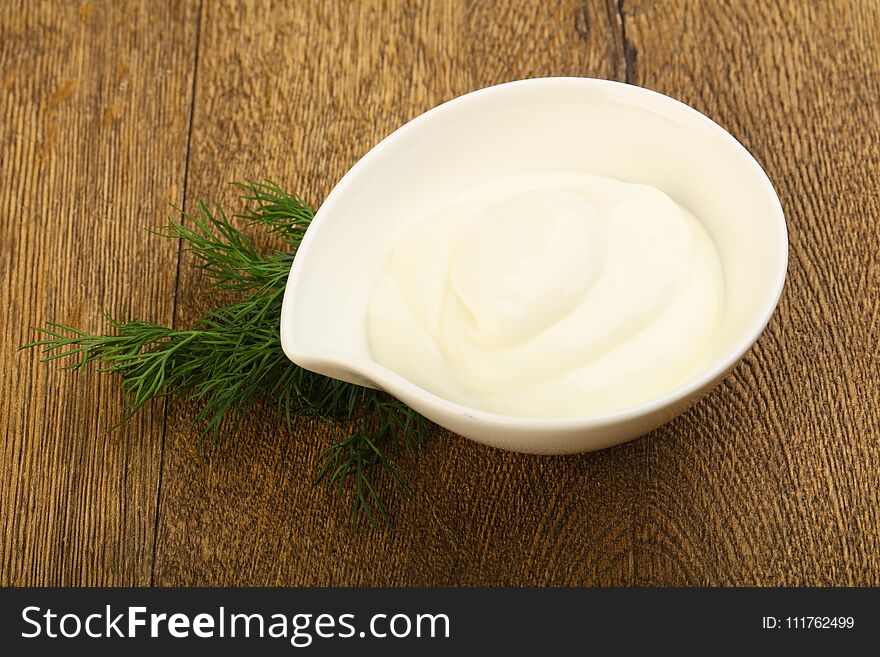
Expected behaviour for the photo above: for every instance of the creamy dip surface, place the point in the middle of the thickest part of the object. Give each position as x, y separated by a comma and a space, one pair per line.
549, 295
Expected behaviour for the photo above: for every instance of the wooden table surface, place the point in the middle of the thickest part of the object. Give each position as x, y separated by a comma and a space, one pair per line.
111, 111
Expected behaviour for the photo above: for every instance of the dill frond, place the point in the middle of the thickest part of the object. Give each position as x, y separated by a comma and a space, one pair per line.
231, 359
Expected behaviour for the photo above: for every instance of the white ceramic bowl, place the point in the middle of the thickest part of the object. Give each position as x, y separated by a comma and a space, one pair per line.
548, 124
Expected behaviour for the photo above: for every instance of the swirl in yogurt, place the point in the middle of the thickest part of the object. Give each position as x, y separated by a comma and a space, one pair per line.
549, 295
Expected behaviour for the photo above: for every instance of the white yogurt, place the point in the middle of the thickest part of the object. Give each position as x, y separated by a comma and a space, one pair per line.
549, 295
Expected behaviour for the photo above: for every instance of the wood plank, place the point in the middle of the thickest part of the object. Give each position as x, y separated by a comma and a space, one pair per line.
297, 92
775, 478
772, 479
95, 101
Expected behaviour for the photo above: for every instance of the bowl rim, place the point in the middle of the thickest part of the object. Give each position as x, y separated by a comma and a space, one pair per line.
398, 386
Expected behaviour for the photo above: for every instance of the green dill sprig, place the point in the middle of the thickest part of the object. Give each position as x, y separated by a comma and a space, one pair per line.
231, 359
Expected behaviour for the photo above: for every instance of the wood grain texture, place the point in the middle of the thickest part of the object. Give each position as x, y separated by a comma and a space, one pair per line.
95, 102
772, 479
297, 93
